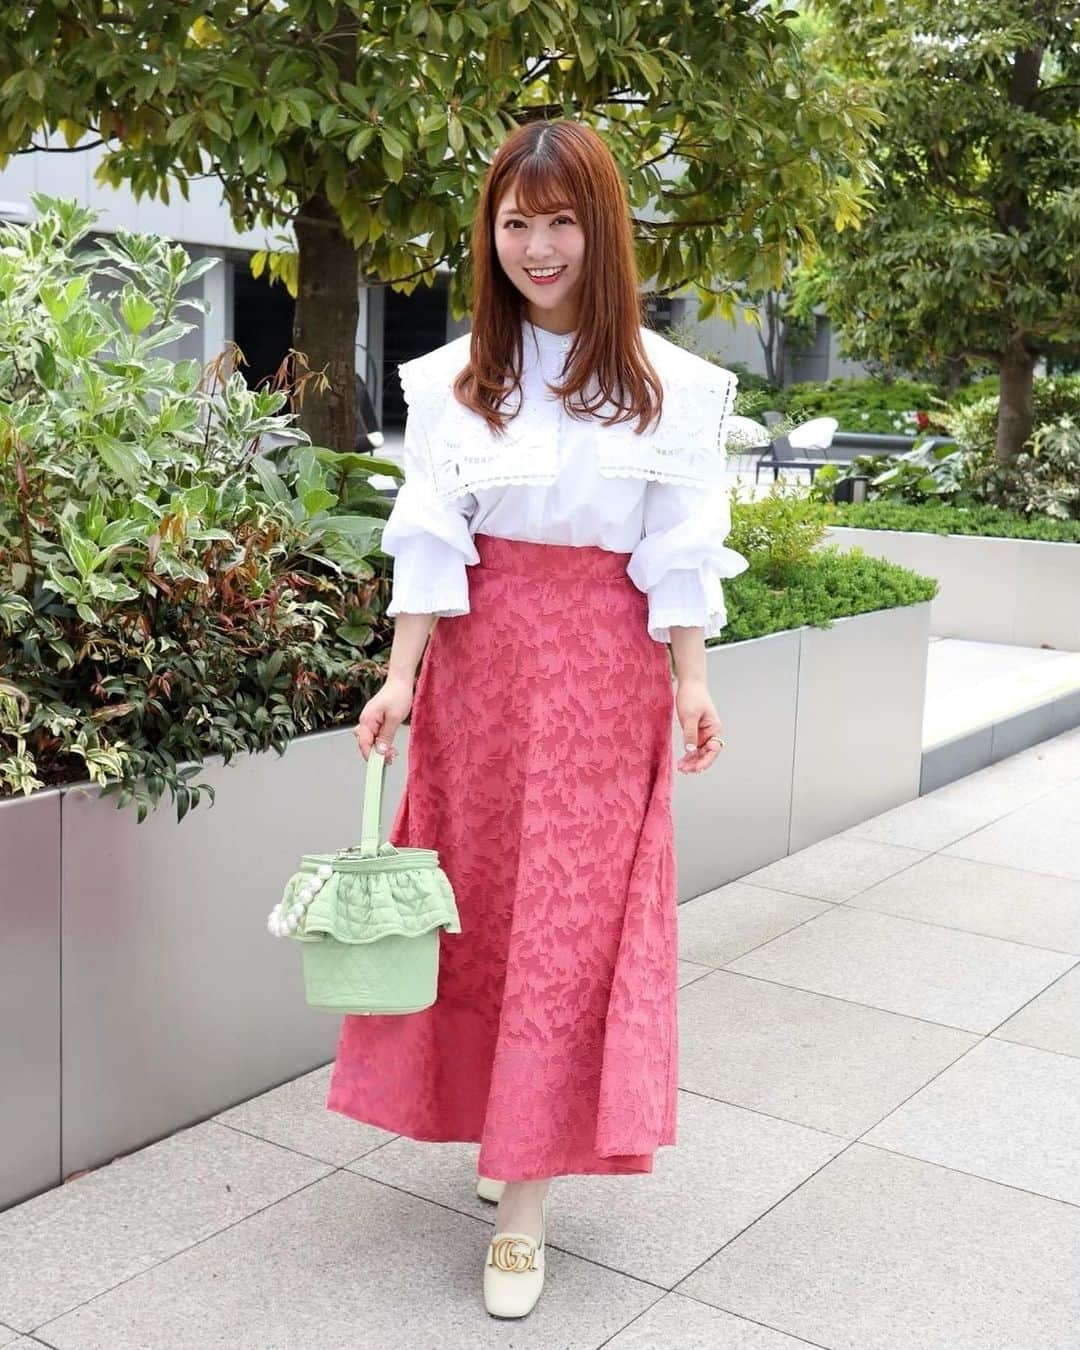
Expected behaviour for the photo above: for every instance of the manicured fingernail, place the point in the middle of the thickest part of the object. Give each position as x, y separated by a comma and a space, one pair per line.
381, 747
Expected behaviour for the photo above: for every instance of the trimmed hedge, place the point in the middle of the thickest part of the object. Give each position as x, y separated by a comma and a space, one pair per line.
934, 518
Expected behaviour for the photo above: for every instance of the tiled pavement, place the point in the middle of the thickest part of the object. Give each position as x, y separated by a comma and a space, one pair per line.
879, 1142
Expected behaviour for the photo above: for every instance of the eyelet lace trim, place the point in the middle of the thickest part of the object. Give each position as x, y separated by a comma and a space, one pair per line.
686, 449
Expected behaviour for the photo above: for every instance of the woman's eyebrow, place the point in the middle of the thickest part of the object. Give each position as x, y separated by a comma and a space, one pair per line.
516, 211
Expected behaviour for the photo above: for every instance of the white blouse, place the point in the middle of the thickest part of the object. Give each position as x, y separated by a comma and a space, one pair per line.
674, 533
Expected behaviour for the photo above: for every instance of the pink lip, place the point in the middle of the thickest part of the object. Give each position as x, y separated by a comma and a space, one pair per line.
546, 281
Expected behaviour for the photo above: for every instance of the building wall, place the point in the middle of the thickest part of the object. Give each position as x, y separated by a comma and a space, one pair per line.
738, 342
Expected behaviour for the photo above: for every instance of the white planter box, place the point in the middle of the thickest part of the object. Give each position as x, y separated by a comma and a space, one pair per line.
823, 730
1019, 591
175, 1002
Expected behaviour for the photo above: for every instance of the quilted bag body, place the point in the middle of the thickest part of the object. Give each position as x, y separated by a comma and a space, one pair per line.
368, 919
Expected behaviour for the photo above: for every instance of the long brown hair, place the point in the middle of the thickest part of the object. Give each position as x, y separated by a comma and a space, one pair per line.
551, 165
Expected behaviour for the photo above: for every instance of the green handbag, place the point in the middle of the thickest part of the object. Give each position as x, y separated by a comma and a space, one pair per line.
368, 918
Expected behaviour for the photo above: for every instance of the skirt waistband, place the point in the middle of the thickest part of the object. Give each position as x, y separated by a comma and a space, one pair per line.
569, 561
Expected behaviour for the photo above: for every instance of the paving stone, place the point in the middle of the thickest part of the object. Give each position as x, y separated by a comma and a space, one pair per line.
1005, 1112
917, 969
1051, 1021
835, 868
882, 1252
822, 1062
728, 1167
678, 1323
977, 897
347, 1264
719, 926
79, 1239
296, 1116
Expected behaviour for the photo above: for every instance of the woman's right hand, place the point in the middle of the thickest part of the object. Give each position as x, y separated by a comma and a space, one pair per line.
381, 716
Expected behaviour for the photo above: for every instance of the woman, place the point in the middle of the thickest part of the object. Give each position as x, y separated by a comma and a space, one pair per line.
563, 512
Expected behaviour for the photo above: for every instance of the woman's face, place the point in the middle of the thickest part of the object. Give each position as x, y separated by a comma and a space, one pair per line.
544, 257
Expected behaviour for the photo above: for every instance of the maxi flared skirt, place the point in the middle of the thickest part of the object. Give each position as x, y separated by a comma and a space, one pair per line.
540, 767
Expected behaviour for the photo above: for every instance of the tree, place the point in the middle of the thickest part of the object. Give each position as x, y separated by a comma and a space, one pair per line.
973, 247
367, 128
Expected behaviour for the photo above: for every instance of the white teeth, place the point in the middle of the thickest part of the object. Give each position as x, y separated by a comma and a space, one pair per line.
543, 271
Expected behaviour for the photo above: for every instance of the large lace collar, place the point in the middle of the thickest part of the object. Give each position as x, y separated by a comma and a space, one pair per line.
687, 446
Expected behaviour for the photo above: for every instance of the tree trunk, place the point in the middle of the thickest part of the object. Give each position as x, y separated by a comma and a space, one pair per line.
771, 340
1016, 413
324, 326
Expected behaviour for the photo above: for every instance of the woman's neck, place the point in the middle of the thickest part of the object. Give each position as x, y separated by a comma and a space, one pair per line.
561, 320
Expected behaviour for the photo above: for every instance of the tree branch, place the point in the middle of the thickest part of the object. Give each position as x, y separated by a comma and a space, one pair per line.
33, 148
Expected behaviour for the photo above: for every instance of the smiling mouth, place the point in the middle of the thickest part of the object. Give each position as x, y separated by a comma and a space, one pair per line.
545, 273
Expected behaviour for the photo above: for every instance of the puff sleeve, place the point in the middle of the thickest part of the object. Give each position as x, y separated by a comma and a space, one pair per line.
429, 539
681, 557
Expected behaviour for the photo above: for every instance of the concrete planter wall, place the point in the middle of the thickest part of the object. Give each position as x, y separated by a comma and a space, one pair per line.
140, 951
1017, 591
805, 756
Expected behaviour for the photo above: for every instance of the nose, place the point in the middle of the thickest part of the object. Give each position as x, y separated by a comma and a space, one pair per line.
536, 248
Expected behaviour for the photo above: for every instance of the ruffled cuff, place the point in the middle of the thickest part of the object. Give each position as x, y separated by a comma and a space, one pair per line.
682, 557
684, 529
417, 512
686, 598
429, 578
666, 552
431, 545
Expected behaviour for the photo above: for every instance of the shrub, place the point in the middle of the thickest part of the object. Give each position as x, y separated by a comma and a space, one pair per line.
973, 420
925, 473
1044, 478
168, 587
792, 580
877, 406
946, 518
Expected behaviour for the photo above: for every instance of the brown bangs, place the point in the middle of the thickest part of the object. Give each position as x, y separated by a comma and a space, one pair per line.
555, 166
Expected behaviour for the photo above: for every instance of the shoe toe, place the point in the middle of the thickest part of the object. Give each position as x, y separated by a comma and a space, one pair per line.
487, 1188
513, 1274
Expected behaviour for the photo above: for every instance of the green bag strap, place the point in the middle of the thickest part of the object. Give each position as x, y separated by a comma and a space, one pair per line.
369, 828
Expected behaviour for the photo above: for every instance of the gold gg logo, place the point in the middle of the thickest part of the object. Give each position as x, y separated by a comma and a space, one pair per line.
509, 1253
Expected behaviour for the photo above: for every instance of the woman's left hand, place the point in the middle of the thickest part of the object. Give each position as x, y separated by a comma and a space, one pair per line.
699, 721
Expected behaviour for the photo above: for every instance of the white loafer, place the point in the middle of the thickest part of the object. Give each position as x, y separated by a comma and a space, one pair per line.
514, 1272
487, 1188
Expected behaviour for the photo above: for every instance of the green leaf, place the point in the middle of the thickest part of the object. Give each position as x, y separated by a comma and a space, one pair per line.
120, 458
137, 310
392, 167
392, 142
107, 588
359, 142
45, 364
317, 499
81, 551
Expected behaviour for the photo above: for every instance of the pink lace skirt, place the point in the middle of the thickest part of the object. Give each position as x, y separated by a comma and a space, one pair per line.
540, 767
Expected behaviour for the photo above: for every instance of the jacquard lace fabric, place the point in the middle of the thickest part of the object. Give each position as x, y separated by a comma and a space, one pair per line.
563, 481
545, 785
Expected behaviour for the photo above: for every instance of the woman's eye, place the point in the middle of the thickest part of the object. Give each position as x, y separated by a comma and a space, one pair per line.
510, 223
